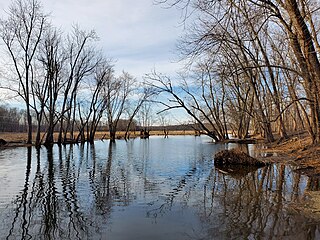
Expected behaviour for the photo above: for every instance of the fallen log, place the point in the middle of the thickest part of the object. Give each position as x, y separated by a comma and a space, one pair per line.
236, 157
241, 141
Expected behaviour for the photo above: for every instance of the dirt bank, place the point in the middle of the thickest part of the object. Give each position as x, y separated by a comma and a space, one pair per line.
298, 150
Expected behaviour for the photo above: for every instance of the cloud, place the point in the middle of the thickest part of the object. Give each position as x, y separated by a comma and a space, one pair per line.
139, 35
132, 32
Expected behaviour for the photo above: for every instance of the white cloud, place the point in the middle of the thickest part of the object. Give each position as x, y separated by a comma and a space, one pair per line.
138, 34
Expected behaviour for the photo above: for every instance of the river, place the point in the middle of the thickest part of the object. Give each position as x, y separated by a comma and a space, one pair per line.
157, 188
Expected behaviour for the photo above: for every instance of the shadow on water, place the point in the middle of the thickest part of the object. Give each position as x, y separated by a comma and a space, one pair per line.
138, 190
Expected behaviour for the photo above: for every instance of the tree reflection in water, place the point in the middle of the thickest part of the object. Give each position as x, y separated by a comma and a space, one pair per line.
20, 219
40, 209
255, 206
116, 191
49, 204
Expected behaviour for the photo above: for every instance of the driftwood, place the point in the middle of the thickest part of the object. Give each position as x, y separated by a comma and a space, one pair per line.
236, 157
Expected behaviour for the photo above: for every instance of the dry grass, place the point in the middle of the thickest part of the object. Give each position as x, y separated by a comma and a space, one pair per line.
297, 150
13, 137
22, 137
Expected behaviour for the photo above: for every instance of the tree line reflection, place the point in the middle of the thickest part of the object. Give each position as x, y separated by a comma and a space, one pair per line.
71, 191
49, 205
257, 205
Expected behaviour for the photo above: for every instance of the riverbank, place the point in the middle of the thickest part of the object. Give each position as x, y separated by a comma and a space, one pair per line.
298, 151
19, 139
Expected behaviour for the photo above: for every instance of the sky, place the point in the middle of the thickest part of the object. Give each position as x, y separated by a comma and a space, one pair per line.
139, 35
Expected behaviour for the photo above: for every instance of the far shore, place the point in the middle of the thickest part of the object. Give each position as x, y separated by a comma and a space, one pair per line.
19, 137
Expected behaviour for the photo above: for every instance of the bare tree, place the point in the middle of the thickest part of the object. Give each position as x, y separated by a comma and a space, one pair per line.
142, 94
187, 97
81, 61
21, 33
246, 36
164, 122
96, 101
52, 59
146, 117
116, 93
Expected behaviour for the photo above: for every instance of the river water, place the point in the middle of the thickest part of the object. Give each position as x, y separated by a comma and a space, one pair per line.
153, 188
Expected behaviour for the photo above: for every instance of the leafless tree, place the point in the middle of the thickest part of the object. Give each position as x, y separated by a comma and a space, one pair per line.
81, 61
96, 100
193, 100
142, 95
21, 32
146, 117
52, 59
243, 38
116, 93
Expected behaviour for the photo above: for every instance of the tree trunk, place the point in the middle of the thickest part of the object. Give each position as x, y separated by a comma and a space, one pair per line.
29, 122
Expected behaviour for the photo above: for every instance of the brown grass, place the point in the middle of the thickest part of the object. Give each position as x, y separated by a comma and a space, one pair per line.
13, 137
298, 150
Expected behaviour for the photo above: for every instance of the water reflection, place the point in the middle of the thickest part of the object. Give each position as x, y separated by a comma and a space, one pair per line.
143, 189
20, 212
256, 206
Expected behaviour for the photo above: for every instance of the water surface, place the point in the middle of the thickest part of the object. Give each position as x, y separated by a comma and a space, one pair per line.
146, 189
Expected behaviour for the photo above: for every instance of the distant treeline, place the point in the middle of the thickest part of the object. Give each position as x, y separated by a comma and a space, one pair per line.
14, 120
182, 127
